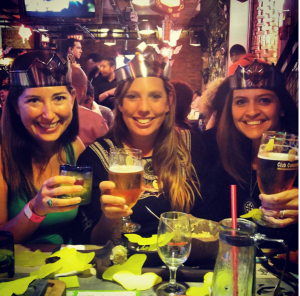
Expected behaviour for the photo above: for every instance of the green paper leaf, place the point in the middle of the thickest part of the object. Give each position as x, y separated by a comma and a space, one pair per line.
17, 287
134, 264
131, 281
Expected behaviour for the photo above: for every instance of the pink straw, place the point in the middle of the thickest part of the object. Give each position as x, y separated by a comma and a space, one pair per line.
234, 248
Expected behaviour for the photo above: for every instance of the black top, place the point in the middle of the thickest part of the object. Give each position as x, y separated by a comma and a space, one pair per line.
101, 85
96, 155
216, 186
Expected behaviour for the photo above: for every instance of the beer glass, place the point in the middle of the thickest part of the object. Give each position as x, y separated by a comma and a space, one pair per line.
277, 164
126, 171
174, 247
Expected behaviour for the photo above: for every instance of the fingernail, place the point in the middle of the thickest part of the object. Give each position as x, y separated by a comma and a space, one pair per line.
125, 207
260, 196
77, 199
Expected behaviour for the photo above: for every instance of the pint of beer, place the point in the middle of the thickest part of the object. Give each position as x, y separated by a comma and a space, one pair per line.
126, 171
128, 181
277, 165
276, 172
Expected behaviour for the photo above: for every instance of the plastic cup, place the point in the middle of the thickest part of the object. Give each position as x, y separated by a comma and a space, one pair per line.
83, 176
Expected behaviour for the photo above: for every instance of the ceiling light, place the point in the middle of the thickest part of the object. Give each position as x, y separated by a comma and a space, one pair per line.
146, 28
194, 41
110, 42
104, 30
141, 2
152, 40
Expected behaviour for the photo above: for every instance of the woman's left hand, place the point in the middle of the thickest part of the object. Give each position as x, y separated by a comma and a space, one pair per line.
280, 209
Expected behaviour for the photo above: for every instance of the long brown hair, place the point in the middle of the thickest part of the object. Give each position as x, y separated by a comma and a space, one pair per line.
236, 149
171, 158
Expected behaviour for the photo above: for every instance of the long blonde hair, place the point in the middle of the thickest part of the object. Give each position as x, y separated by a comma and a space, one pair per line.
171, 158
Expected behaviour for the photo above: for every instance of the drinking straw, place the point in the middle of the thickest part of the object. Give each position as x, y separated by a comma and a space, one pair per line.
234, 248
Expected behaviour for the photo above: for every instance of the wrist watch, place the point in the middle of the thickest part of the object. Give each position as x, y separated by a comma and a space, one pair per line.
32, 216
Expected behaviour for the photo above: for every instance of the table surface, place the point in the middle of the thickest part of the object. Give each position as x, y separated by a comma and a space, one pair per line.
89, 281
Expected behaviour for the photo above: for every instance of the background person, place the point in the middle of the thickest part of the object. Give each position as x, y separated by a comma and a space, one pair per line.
92, 105
93, 67
91, 124
145, 119
184, 98
39, 133
74, 51
104, 90
239, 56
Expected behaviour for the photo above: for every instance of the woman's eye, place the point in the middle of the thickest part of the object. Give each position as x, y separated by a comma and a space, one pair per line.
239, 102
131, 97
265, 100
60, 99
33, 101
156, 96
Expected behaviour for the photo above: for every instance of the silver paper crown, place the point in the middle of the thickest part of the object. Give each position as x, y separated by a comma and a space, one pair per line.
148, 65
55, 72
256, 75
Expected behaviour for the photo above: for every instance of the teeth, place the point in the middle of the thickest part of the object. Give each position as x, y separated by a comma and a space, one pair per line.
48, 125
146, 120
253, 122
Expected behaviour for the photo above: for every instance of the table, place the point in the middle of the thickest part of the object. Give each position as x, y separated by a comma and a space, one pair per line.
89, 281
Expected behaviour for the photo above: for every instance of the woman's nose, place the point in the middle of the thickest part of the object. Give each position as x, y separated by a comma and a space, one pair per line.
48, 111
143, 106
252, 109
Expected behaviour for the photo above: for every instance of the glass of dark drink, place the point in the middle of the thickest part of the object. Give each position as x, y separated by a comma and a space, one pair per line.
277, 165
126, 171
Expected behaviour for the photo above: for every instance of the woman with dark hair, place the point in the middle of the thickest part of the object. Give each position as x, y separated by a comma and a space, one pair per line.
257, 102
145, 119
38, 133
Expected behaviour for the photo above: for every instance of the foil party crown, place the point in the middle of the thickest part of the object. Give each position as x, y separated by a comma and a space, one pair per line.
256, 75
144, 65
55, 72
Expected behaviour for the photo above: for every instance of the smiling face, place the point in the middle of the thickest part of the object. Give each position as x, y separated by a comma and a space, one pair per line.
46, 112
255, 111
144, 107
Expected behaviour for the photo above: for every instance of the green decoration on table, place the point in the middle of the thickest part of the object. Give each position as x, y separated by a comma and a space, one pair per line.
131, 281
134, 264
71, 281
253, 213
31, 259
204, 290
17, 287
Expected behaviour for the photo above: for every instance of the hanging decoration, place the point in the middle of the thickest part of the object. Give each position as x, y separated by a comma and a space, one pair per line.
25, 33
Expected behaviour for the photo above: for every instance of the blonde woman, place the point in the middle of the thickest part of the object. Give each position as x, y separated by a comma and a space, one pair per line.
145, 119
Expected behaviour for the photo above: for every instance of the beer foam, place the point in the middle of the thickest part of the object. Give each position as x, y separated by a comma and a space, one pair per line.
125, 169
276, 156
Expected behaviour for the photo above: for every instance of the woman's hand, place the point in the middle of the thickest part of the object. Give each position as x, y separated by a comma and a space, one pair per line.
51, 189
280, 209
113, 207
